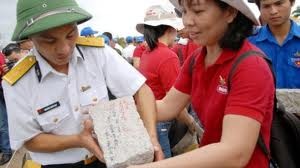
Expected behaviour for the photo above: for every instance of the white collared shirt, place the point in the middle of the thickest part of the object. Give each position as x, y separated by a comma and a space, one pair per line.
128, 51
86, 83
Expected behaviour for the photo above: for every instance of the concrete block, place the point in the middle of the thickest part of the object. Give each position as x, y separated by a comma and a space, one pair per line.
121, 133
290, 99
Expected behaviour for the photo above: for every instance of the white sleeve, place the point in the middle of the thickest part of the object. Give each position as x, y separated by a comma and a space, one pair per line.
121, 78
21, 123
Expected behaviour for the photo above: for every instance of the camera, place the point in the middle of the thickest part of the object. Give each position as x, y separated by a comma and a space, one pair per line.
10, 64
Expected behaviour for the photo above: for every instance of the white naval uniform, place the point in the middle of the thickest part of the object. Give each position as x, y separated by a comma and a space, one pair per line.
99, 68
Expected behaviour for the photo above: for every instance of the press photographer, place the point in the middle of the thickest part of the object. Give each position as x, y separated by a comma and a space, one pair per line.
12, 54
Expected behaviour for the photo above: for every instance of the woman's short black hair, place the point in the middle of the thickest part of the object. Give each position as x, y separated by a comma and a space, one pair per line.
152, 33
237, 31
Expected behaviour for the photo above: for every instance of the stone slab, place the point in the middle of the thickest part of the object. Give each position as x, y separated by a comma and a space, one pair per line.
121, 133
289, 99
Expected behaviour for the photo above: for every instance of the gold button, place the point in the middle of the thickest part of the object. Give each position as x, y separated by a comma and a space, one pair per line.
95, 99
55, 120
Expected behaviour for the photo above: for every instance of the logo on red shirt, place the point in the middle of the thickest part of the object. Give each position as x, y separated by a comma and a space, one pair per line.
222, 87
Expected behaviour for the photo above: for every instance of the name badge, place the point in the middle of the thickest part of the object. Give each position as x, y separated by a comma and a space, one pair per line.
48, 108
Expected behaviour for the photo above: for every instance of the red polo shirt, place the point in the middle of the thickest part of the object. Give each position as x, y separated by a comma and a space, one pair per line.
2, 62
161, 68
251, 95
186, 50
139, 50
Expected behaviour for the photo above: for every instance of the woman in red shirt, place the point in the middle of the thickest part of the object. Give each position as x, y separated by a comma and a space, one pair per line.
159, 64
232, 119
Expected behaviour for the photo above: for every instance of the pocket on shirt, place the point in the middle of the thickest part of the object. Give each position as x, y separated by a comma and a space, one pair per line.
93, 95
293, 72
53, 119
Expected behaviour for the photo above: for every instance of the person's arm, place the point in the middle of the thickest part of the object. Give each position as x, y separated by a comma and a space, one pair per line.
184, 117
189, 121
147, 109
239, 138
48, 143
245, 111
136, 62
171, 105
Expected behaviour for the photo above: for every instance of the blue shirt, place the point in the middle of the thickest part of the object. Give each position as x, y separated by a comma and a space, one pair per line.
285, 57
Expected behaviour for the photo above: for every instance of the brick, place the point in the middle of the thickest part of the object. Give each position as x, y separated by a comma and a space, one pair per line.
290, 99
121, 133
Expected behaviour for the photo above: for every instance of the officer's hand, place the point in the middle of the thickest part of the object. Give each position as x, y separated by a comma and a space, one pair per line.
89, 142
158, 153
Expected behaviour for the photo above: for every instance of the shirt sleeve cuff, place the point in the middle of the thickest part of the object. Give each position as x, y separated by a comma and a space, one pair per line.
135, 86
247, 112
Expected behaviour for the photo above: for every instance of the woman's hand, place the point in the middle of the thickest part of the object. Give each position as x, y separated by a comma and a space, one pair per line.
158, 153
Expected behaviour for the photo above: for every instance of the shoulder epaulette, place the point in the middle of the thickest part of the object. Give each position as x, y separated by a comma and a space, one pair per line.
19, 70
90, 41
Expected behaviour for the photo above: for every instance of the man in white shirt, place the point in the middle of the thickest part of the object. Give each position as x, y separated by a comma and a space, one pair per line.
127, 52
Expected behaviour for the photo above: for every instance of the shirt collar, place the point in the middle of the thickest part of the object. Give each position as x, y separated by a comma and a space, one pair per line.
295, 29
46, 68
159, 44
226, 55
264, 33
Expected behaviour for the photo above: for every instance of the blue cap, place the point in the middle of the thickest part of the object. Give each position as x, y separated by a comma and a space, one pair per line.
129, 39
139, 39
88, 31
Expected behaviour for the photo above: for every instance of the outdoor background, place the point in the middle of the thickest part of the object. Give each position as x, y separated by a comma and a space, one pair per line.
117, 16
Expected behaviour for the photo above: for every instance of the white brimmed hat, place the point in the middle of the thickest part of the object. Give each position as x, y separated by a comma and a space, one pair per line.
240, 5
157, 15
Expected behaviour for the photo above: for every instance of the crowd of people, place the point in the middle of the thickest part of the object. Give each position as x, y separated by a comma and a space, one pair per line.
9, 56
177, 70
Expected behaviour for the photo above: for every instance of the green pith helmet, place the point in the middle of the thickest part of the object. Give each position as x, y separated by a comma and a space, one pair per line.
34, 16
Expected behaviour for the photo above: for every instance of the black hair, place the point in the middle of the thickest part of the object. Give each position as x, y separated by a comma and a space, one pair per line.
152, 33
108, 34
10, 48
237, 31
257, 2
